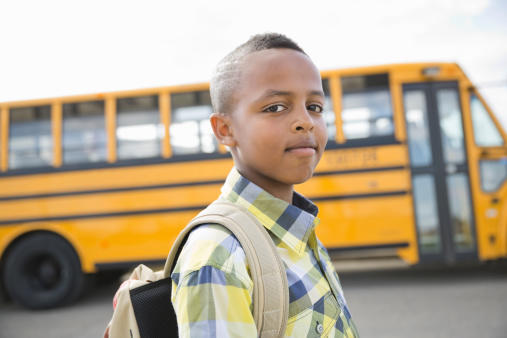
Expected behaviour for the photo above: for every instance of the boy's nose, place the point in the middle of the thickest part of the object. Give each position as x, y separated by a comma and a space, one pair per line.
303, 122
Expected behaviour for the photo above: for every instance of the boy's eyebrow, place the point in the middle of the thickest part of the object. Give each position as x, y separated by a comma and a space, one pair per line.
317, 93
273, 92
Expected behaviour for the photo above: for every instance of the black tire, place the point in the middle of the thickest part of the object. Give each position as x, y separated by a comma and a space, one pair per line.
43, 271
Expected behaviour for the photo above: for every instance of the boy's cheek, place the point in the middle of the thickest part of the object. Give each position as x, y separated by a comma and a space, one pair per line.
322, 137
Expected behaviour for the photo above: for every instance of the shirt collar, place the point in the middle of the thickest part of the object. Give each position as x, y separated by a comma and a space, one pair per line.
291, 223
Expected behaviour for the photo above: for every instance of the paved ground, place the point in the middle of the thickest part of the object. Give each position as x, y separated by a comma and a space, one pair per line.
465, 302
429, 303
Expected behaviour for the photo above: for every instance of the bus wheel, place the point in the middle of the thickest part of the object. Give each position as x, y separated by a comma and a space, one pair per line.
42, 271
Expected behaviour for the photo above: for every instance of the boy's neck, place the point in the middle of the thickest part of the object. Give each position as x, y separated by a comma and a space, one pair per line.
278, 190
283, 194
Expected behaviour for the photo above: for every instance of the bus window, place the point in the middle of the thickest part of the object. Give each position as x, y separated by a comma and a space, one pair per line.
190, 131
493, 174
366, 106
485, 132
426, 212
138, 128
451, 127
30, 140
461, 215
84, 133
328, 112
418, 130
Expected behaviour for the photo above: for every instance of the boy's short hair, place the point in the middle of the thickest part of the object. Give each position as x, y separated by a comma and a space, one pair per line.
228, 70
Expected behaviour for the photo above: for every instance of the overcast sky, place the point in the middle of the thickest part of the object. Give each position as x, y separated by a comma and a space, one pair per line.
56, 48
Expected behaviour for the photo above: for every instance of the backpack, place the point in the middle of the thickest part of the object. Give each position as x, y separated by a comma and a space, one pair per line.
143, 303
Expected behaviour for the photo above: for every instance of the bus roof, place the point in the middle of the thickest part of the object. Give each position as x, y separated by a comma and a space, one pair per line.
445, 68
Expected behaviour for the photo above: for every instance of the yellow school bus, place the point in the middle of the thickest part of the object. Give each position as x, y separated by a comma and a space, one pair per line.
415, 165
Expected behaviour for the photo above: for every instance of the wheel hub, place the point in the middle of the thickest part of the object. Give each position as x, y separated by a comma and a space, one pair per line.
48, 273
43, 272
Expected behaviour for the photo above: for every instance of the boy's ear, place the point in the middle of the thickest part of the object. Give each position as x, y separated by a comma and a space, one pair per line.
222, 128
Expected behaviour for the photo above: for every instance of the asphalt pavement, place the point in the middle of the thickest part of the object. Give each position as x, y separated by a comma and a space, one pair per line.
390, 303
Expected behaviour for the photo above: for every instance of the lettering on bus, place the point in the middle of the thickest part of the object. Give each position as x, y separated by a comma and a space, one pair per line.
353, 158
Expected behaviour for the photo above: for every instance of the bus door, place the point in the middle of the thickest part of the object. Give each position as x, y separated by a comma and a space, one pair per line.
440, 180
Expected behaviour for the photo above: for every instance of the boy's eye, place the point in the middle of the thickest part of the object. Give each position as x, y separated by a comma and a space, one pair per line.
316, 108
274, 108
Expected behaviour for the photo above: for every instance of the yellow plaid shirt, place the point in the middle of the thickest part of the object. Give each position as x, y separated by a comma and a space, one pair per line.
212, 287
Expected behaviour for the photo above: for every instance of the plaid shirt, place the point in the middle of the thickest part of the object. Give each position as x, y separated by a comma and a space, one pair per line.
212, 288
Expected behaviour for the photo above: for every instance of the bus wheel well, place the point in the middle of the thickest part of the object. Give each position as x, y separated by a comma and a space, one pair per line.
23, 236
20, 241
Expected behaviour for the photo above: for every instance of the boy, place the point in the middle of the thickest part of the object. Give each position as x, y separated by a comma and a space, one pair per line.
268, 100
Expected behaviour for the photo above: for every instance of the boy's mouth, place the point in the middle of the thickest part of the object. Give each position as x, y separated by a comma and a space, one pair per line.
304, 148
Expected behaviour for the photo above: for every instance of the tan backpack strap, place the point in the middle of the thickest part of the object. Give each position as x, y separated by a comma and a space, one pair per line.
270, 287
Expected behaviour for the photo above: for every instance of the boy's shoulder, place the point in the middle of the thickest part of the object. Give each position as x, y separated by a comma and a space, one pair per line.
212, 245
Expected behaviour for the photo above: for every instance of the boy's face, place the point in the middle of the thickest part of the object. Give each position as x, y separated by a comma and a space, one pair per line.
277, 129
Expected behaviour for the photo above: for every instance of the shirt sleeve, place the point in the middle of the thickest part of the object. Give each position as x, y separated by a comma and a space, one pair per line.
211, 288
212, 303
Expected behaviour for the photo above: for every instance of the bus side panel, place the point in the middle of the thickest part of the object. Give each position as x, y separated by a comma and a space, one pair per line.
127, 239
364, 200
108, 203
366, 222
110, 240
502, 227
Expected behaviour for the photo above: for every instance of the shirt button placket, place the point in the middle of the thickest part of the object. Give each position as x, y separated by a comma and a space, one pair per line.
319, 328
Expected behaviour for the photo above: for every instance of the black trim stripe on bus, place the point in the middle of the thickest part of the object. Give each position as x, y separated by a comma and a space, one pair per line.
183, 209
331, 145
118, 164
357, 171
103, 266
175, 185
357, 196
104, 215
368, 247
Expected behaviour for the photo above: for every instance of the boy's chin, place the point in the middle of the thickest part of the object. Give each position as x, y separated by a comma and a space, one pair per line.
300, 178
